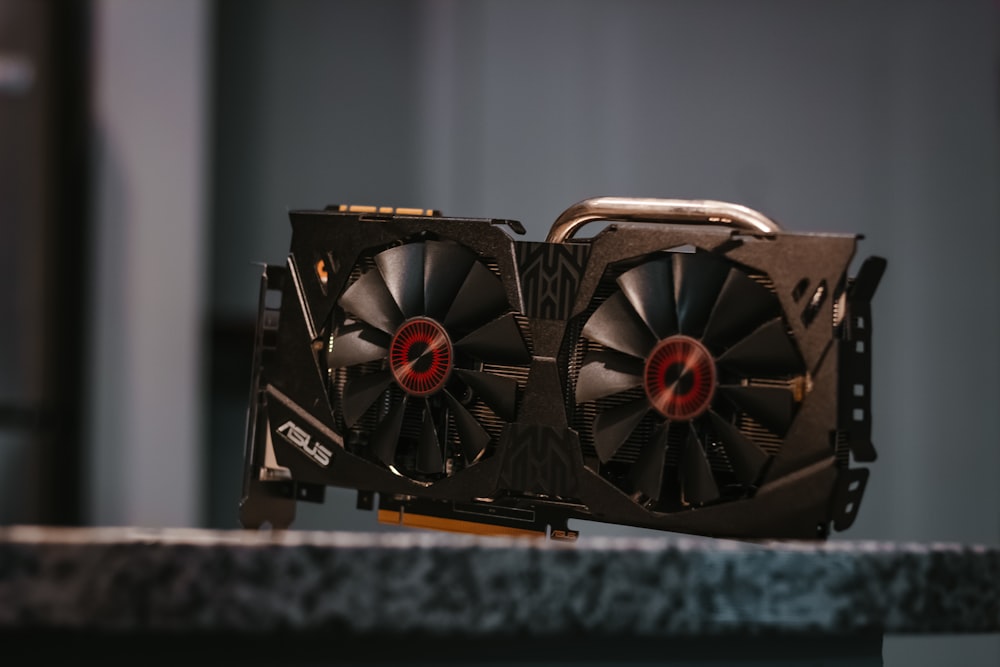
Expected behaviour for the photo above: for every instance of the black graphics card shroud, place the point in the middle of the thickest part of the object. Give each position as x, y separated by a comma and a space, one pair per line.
690, 368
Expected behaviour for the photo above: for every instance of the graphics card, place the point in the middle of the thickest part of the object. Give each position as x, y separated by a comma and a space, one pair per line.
690, 367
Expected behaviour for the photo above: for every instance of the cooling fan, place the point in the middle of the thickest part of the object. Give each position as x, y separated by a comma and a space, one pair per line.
690, 367
410, 357
691, 344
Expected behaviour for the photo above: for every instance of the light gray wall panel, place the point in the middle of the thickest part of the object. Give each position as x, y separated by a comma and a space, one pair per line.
150, 73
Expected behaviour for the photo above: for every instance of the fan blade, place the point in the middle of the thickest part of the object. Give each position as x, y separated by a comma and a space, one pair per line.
698, 277
746, 458
646, 474
361, 392
743, 303
497, 342
480, 299
498, 392
428, 448
697, 481
613, 426
771, 406
402, 268
649, 288
385, 437
445, 268
369, 300
767, 352
356, 344
471, 435
604, 373
615, 324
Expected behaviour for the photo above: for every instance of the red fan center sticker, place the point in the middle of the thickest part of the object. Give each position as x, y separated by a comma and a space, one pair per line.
680, 378
420, 356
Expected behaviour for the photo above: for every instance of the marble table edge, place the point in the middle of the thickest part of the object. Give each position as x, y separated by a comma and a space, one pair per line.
127, 578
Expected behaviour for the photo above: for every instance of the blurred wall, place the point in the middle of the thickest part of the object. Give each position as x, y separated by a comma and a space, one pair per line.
151, 71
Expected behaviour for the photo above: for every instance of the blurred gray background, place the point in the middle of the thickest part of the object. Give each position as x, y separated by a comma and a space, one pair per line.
208, 121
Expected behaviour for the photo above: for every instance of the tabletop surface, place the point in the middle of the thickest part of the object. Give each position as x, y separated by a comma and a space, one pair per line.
155, 580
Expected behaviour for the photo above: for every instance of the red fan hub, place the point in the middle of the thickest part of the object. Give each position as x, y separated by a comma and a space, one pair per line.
680, 378
420, 356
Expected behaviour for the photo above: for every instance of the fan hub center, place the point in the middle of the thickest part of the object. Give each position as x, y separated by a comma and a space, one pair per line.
421, 356
679, 378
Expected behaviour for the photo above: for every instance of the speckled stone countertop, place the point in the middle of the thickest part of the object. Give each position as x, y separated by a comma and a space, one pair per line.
245, 582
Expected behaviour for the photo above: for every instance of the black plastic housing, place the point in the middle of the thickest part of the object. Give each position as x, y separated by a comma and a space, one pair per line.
535, 474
